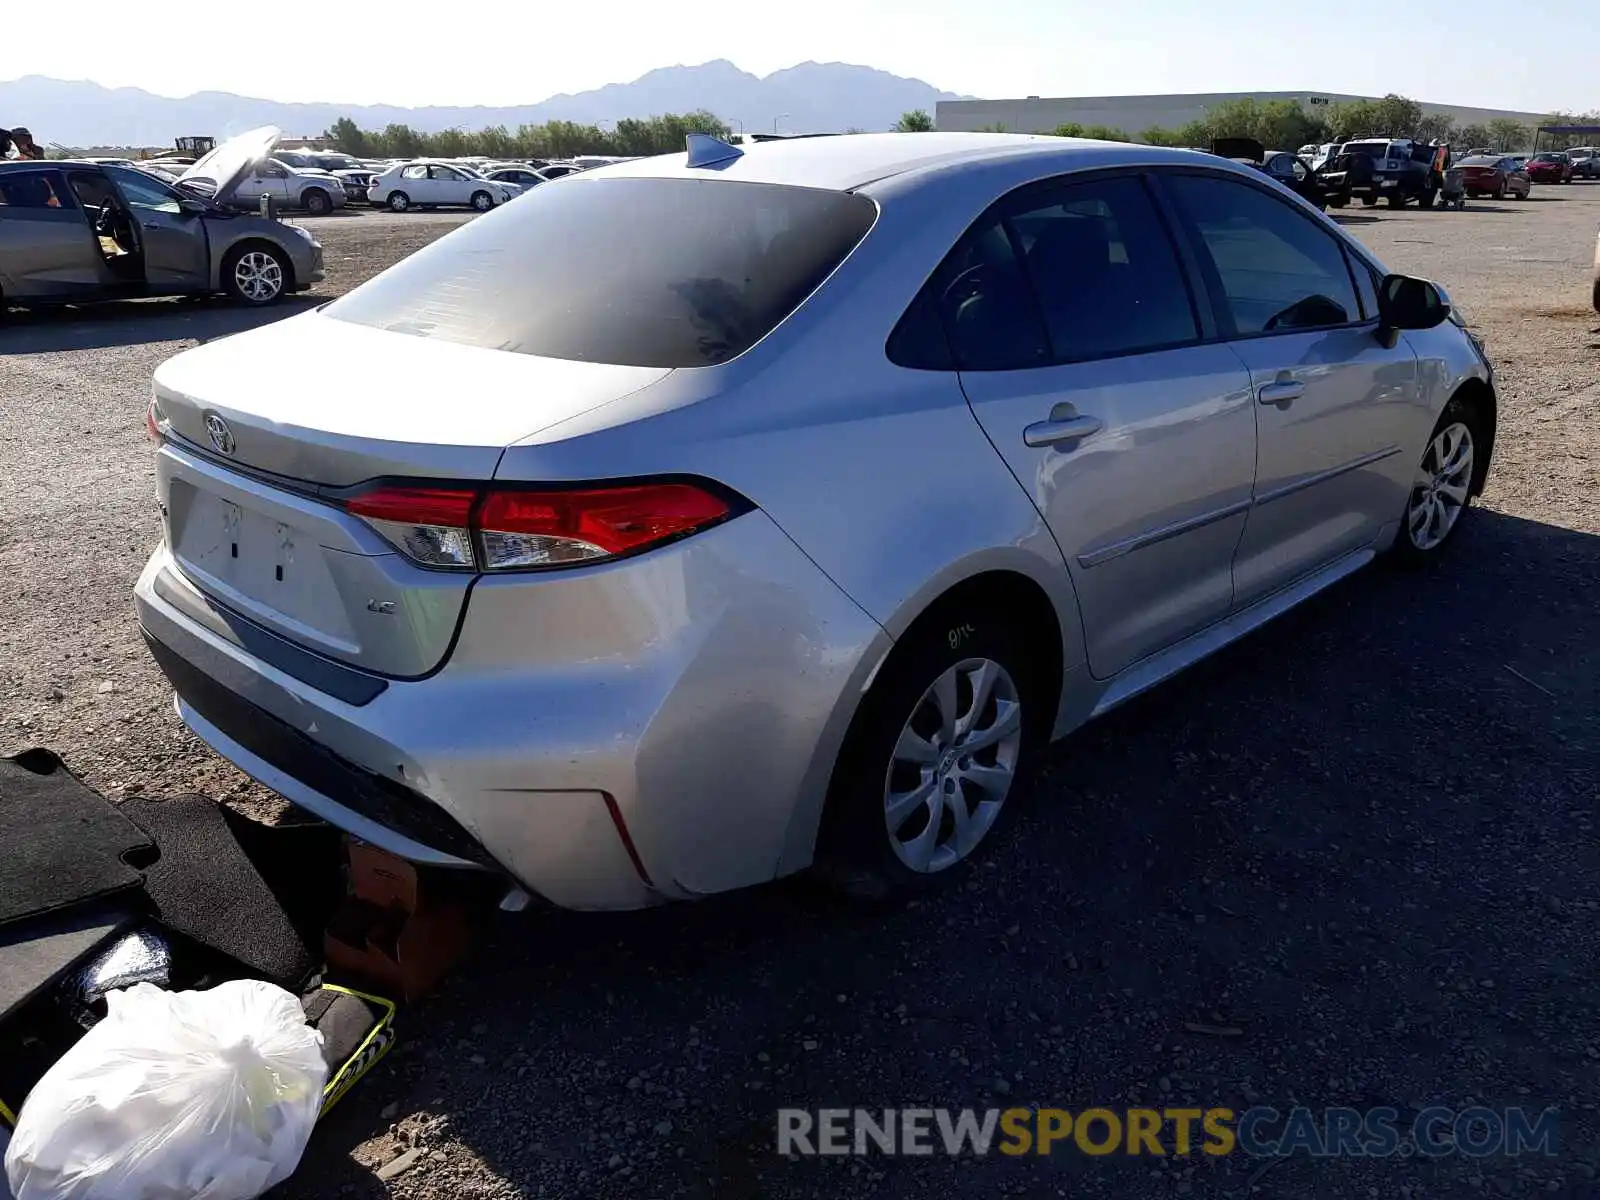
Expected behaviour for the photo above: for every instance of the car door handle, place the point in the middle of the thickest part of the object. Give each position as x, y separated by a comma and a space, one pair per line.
1281, 393
1053, 432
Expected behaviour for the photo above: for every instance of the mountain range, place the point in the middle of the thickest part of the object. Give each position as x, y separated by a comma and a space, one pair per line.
809, 98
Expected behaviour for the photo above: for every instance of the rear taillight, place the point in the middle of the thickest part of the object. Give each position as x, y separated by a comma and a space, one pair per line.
509, 529
429, 525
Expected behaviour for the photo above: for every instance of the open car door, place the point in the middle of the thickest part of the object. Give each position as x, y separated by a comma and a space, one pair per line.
1240, 149
177, 256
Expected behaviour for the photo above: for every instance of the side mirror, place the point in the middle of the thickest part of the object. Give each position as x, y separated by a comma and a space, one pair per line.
1408, 303
191, 208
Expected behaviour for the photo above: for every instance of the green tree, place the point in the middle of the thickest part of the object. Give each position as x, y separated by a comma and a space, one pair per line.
1354, 119
346, 135
1436, 125
1157, 136
1070, 129
1470, 137
1399, 116
1507, 134
1196, 134
915, 121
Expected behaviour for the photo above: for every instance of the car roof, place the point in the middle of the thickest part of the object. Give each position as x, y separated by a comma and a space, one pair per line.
23, 164
846, 161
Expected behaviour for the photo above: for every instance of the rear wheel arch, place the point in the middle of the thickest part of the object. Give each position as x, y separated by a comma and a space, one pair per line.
1010, 596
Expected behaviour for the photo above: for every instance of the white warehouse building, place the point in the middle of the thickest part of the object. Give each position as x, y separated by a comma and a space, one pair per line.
1036, 114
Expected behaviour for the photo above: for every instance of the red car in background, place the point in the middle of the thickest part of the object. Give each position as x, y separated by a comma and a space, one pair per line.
1496, 176
1550, 167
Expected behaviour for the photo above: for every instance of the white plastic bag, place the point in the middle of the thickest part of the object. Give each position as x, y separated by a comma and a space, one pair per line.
174, 1096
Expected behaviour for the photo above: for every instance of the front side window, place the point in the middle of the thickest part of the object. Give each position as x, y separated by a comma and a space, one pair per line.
654, 272
140, 191
1274, 269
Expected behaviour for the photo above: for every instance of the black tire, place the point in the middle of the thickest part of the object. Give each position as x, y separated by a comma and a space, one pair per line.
1428, 198
1369, 201
1406, 549
1397, 201
855, 855
1338, 201
236, 282
482, 201
399, 202
1499, 192
316, 202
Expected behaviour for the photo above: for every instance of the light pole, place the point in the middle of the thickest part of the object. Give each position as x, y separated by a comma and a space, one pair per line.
739, 123
775, 120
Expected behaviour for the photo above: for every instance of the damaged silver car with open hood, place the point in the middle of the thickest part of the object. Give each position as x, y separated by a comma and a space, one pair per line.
244, 170
74, 232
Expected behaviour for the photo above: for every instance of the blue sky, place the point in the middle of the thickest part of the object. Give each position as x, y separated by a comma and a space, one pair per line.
1479, 52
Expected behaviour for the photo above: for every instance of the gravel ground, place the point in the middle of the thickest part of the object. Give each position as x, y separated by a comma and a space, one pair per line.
1361, 843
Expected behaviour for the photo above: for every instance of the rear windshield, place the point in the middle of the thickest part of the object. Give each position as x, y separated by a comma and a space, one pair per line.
1371, 149
641, 272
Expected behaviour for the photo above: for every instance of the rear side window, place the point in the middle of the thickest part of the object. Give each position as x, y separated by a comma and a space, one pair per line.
33, 189
1104, 270
1275, 268
640, 272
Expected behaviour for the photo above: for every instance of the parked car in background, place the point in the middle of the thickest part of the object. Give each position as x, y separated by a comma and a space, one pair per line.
73, 231
1318, 155
1394, 170
353, 176
1078, 415
1585, 162
1550, 167
522, 177
1495, 176
261, 174
427, 183
556, 170
1292, 171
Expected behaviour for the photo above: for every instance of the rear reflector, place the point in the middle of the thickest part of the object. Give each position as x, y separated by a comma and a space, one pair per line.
508, 529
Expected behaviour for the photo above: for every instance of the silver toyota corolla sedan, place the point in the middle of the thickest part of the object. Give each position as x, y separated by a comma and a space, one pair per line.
715, 515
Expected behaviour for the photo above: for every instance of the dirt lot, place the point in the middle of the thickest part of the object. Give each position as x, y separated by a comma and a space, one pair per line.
1364, 839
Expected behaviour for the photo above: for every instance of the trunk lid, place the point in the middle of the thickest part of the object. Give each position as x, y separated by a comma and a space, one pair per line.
268, 427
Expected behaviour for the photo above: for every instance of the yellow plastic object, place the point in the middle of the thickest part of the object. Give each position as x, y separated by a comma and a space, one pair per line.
373, 1047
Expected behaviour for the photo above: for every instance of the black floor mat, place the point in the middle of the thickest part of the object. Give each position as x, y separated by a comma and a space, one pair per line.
206, 885
62, 843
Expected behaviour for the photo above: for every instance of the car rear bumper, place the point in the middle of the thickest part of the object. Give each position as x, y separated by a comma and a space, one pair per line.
610, 738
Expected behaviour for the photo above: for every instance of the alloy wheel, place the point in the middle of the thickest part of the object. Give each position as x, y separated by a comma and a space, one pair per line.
953, 765
1439, 491
259, 276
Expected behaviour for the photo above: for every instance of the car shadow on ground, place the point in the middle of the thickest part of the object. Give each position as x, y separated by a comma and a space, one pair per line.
1297, 839
135, 322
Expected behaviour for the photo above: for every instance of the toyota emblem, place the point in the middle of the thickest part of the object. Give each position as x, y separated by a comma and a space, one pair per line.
221, 436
